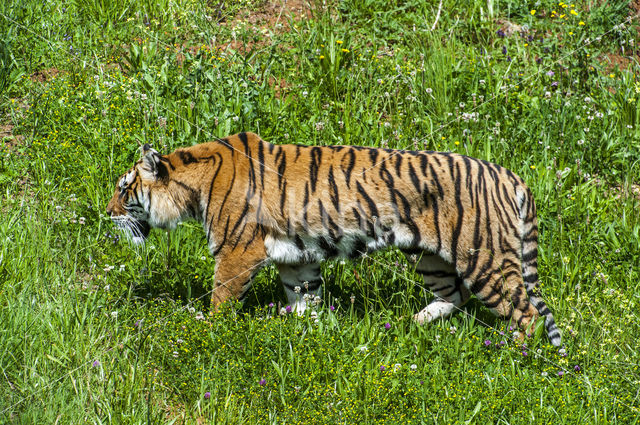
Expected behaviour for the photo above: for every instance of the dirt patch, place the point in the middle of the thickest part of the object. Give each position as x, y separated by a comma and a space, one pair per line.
633, 191
45, 75
276, 15
507, 29
613, 61
11, 141
279, 86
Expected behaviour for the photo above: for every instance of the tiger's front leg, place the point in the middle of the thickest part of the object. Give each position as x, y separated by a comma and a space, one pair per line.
233, 272
300, 280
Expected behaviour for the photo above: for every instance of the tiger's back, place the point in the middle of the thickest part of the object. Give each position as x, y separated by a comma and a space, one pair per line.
469, 224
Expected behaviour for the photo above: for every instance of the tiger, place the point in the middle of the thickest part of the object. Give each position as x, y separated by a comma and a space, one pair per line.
467, 226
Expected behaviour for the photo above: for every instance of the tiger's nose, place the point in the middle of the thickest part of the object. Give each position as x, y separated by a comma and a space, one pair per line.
109, 211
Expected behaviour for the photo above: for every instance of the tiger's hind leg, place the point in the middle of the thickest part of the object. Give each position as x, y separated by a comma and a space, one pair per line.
299, 281
501, 289
443, 281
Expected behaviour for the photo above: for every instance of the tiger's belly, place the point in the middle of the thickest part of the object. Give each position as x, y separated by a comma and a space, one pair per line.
305, 248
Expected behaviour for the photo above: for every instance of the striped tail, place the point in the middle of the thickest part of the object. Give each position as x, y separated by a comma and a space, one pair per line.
529, 239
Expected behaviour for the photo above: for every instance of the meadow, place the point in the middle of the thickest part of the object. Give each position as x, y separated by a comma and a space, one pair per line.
94, 330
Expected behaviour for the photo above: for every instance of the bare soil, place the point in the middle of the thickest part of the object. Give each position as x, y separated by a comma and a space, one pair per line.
45, 75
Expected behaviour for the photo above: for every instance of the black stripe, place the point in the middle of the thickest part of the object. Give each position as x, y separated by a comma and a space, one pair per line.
358, 217
452, 291
477, 234
283, 196
186, 157
531, 255
252, 171
325, 245
468, 179
316, 159
414, 179
458, 227
305, 202
368, 200
387, 178
373, 155
245, 141
436, 222
245, 209
225, 142
491, 304
436, 273
224, 238
298, 149
226, 195
333, 187
281, 166
352, 163
398, 164
436, 180
261, 160
162, 173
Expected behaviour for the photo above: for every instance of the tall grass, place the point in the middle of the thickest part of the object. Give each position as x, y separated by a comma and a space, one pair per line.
97, 331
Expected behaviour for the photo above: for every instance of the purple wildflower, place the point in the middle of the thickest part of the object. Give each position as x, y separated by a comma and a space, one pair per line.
262, 382
332, 308
576, 368
382, 367
503, 343
538, 60
207, 395
487, 343
560, 373
387, 325
550, 73
504, 50
288, 309
524, 353
96, 363
554, 84
501, 33
271, 305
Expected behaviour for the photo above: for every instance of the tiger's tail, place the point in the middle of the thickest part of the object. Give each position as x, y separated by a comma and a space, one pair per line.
529, 240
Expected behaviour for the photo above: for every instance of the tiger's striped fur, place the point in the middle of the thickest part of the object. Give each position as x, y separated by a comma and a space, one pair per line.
471, 223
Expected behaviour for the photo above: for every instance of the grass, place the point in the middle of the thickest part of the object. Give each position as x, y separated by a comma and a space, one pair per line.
96, 331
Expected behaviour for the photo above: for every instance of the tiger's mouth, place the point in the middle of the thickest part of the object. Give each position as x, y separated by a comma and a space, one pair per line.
136, 230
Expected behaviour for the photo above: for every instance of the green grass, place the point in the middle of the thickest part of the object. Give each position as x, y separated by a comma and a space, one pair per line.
97, 331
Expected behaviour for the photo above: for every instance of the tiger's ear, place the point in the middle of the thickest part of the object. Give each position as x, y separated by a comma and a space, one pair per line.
150, 161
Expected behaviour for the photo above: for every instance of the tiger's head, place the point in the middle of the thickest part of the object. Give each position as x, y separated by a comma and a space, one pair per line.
132, 207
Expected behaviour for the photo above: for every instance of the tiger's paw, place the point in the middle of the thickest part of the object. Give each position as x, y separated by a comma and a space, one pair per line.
433, 311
